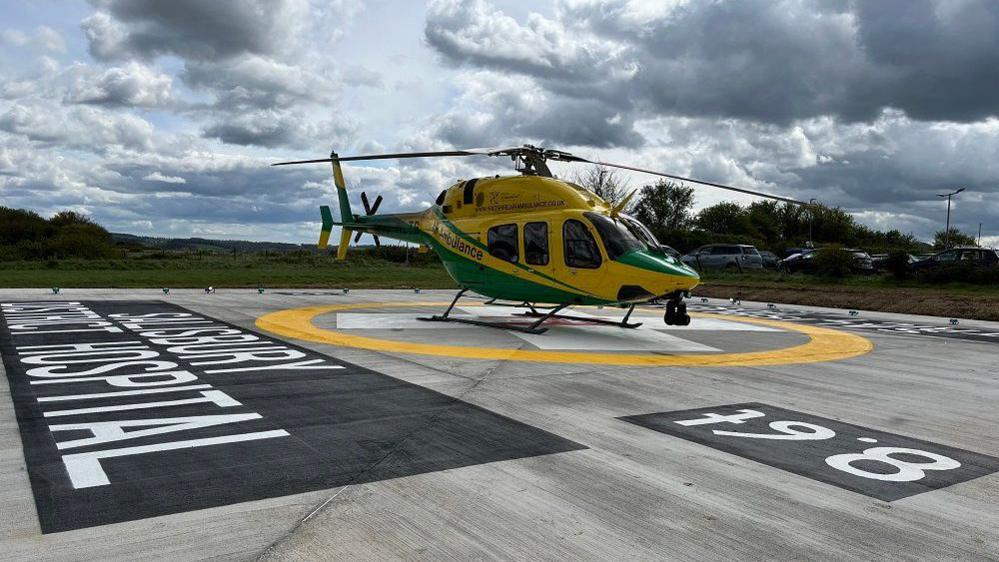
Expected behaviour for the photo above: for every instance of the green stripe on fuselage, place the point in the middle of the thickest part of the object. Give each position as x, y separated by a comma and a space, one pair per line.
457, 231
494, 283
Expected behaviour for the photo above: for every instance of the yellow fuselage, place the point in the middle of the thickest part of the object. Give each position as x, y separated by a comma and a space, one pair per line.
537, 239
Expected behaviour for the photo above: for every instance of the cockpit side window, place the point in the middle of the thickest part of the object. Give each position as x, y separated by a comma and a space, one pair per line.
502, 242
618, 240
580, 248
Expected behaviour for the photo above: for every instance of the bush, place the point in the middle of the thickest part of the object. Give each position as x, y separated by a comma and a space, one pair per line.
961, 273
898, 264
833, 262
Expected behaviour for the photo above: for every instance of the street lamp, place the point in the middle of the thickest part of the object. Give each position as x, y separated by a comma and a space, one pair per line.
947, 231
811, 217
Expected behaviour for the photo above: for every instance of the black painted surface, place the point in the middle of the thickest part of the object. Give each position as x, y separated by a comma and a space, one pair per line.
808, 457
342, 424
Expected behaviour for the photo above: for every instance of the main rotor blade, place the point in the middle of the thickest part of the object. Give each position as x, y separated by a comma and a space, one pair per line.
358, 237
374, 208
692, 180
401, 155
378, 241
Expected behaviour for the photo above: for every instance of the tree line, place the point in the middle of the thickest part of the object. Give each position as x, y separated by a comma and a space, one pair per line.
26, 235
666, 207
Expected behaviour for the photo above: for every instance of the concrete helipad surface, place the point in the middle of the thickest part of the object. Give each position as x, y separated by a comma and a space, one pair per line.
308, 424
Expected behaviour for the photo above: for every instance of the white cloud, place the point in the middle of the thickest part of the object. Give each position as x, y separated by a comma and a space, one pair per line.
157, 176
131, 85
44, 38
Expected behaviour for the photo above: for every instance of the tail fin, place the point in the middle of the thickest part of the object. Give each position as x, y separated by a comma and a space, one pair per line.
324, 234
346, 216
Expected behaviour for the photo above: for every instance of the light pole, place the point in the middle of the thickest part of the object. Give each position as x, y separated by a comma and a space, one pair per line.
811, 216
947, 231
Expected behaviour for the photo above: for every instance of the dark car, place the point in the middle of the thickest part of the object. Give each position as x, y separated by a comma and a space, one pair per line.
963, 255
770, 259
860, 262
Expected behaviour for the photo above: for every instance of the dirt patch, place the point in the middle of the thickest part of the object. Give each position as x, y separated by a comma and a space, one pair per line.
907, 301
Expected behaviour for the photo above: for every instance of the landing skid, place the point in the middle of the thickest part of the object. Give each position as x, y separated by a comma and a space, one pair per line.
623, 323
514, 304
536, 326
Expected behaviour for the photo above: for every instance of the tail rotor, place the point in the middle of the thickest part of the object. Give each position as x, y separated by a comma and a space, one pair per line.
369, 210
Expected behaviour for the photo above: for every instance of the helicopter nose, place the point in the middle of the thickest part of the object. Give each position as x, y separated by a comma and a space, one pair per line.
660, 264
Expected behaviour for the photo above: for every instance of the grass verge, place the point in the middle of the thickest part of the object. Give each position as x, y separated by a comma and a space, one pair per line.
877, 293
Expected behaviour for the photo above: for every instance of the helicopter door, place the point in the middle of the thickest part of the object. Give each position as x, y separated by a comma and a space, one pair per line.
537, 248
581, 263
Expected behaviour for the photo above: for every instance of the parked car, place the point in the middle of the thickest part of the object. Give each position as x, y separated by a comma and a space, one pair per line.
881, 261
805, 262
724, 256
770, 259
964, 255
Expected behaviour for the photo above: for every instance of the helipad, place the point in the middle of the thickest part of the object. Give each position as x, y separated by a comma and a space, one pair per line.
575, 341
299, 425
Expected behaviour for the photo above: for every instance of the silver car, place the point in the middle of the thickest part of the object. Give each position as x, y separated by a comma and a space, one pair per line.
739, 257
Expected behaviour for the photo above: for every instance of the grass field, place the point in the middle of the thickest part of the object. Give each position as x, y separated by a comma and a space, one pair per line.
859, 292
363, 271
225, 271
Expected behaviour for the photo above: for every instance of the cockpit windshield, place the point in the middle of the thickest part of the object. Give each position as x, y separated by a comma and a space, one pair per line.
640, 231
618, 239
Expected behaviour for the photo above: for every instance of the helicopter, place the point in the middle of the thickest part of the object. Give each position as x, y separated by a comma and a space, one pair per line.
529, 240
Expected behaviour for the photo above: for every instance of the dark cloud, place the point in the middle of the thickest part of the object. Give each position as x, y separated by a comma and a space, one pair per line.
188, 28
254, 60
759, 60
277, 128
940, 59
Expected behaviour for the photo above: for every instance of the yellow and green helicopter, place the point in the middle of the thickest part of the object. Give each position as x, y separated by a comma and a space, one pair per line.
529, 239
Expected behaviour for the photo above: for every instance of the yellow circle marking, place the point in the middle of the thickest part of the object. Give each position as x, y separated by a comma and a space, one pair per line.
823, 344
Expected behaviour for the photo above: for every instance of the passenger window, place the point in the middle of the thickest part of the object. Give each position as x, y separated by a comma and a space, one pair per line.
580, 247
536, 243
948, 256
502, 242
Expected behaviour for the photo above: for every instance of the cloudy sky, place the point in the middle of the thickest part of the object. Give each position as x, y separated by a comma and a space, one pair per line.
161, 117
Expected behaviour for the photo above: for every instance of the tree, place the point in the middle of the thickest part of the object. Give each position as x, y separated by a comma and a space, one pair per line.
67, 218
607, 184
725, 218
665, 206
764, 219
944, 239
